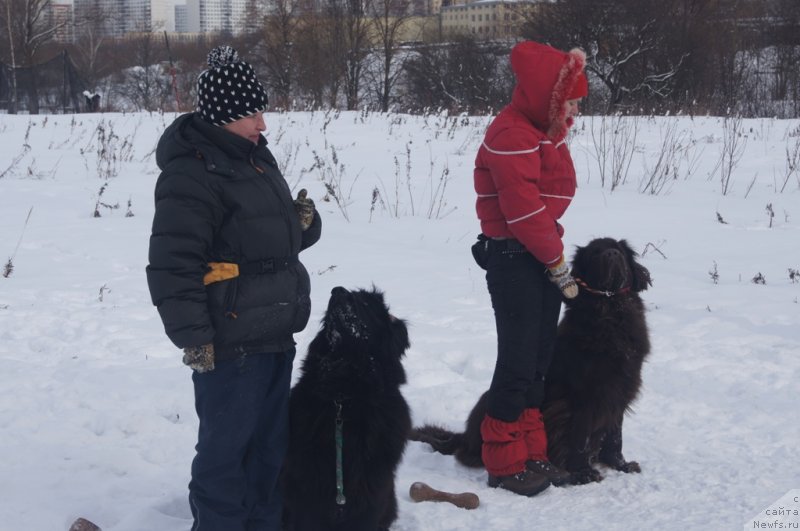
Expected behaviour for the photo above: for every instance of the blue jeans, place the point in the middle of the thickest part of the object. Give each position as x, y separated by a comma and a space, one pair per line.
243, 408
526, 309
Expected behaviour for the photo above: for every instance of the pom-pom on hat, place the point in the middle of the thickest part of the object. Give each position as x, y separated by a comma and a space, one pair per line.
229, 89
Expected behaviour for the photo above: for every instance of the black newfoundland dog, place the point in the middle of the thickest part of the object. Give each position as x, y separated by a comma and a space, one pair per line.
596, 371
349, 421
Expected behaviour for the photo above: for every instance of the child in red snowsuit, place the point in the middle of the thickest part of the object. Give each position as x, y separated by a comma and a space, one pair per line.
525, 180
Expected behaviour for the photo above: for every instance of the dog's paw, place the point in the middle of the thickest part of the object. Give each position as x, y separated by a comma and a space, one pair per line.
617, 462
585, 475
629, 467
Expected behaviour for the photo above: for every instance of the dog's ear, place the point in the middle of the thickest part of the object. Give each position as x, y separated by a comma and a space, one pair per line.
400, 341
640, 280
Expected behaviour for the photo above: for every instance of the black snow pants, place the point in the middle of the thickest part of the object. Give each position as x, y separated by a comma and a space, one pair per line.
526, 309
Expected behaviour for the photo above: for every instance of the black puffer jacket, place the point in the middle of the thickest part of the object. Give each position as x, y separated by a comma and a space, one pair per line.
220, 198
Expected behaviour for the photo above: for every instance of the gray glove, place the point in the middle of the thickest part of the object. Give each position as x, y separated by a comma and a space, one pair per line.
200, 358
559, 275
305, 209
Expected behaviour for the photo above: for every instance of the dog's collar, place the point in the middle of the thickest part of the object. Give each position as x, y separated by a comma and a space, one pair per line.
604, 293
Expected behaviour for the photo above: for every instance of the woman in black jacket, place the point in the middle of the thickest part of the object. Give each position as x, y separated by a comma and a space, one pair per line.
225, 276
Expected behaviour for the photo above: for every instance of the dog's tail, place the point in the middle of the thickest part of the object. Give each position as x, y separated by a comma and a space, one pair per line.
441, 440
466, 449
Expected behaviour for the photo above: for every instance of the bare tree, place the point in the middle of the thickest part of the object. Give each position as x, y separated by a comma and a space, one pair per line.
12, 107
464, 75
352, 23
331, 49
318, 64
191, 58
94, 51
29, 26
784, 19
425, 82
144, 85
388, 19
621, 39
92, 62
273, 41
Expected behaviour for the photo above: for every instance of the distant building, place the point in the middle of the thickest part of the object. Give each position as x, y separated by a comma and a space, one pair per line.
435, 6
210, 16
181, 18
115, 18
162, 14
61, 16
486, 19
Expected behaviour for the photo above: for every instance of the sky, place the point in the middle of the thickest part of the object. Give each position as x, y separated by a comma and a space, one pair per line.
96, 408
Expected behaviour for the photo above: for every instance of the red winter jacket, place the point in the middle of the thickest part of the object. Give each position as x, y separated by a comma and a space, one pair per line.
524, 176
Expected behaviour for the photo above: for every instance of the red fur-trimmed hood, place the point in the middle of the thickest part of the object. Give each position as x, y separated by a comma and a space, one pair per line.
545, 79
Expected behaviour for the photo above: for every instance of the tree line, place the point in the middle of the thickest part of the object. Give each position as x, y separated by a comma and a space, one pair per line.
643, 56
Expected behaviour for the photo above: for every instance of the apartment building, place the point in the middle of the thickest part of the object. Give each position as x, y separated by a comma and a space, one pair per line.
205, 16
116, 18
61, 16
486, 19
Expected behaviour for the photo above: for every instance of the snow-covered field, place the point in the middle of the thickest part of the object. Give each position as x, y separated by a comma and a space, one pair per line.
96, 409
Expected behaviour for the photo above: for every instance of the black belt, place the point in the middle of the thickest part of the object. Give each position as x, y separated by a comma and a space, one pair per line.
270, 265
509, 245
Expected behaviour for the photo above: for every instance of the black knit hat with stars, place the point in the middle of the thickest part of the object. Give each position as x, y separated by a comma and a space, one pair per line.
229, 89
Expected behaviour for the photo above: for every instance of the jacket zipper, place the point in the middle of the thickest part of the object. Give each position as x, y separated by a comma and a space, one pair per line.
278, 196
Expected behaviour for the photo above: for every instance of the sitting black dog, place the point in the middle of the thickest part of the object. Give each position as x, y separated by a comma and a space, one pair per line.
595, 374
349, 422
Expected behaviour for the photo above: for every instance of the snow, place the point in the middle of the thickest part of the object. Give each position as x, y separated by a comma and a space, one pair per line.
96, 408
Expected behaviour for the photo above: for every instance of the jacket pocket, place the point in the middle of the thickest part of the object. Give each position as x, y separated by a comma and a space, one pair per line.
222, 299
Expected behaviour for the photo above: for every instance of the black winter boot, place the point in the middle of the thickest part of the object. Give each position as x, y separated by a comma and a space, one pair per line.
525, 483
